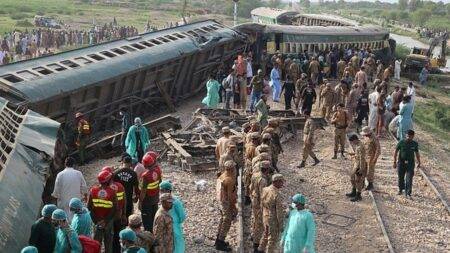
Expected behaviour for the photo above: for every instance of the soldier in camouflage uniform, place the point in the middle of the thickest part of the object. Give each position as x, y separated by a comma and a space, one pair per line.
226, 195
231, 155
359, 169
327, 98
163, 225
372, 147
308, 140
273, 215
250, 153
259, 180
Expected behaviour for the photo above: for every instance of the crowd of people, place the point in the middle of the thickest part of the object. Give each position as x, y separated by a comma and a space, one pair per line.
104, 215
23, 45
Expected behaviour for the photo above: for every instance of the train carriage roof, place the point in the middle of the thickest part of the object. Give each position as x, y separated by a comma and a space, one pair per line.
135, 53
271, 12
314, 30
328, 17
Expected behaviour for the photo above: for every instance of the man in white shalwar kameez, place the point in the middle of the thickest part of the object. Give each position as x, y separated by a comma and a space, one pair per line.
69, 184
397, 68
411, 91
373, 97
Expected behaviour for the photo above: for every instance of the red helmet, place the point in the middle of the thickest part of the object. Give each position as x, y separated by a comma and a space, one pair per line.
104, 176
152, 154
108, 168
148, 160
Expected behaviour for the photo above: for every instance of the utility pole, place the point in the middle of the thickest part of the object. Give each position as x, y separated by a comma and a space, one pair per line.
183, 12
235, 11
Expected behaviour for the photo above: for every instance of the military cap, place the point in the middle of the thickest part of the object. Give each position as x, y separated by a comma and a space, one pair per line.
226, 130
166, 197
246, 124
264, 156
366, 131
255, 135
328, 84
232, 145
298, 198
263, 148
134, 220
273, 120
265, 164
229, 164
266, 136
277, 177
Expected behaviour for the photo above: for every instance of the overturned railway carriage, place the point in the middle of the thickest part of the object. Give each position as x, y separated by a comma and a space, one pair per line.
27, 146
144, 73
291, 39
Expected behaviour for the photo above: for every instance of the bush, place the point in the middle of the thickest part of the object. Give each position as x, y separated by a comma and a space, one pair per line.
18, 16
444, 123
40, 13
24, 23
401, 51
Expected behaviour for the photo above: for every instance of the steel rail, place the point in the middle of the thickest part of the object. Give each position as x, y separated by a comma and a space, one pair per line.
429, 182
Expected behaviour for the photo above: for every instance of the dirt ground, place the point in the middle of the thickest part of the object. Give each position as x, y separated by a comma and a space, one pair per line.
342, 226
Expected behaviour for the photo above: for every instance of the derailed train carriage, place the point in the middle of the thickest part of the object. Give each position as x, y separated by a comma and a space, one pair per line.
146, 74
143, 73
293, 40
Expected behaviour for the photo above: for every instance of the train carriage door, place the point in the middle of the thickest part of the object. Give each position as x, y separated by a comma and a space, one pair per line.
278, 40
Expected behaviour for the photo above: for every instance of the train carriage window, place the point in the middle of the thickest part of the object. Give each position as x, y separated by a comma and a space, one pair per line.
163, 39
70, 64
138, 46
200, 31
43, 70
156, 42
192, 33
170, 37
56, 67
108, 54
118, 51
12, 78
96, 57
213, 27
27, 74
83, 60
147, 44
179, 35
128, 48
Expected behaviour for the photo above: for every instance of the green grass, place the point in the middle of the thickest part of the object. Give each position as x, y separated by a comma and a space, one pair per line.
434, 117
80, 15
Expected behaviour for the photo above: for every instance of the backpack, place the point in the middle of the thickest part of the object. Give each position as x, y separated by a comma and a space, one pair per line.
89, 245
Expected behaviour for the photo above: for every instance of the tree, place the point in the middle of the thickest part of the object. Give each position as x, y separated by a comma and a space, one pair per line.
305, 3
412, 5
341, 2
421, 16
274, 3
402, 4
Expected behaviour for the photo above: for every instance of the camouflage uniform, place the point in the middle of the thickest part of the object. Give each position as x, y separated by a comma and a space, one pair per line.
273, 219
340, 121
359, 168
226, 195
308, 139
229, 157
372, 148
258, 182
327, 98
162, 229
340, 67
250, 153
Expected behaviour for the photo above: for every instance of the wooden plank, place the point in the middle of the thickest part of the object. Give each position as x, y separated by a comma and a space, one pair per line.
166, 97
177, 147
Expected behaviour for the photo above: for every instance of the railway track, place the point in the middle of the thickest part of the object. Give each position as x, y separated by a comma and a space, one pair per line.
418, 225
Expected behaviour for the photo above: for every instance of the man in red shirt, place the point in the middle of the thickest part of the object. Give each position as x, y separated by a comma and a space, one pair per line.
102, 203
149, 187
120, 221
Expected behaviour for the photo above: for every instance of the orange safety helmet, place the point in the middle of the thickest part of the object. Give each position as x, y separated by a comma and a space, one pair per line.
152, 154
104, 176
108, 168
78, 115
148, 160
